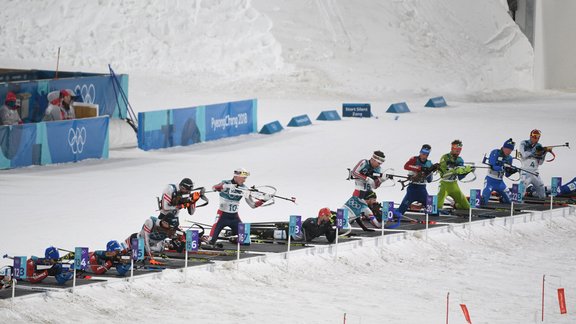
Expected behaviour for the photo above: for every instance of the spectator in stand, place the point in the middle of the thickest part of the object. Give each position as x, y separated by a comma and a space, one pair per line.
60, 107
9, 111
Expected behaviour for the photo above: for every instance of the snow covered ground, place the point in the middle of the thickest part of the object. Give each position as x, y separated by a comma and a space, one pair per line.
296, 57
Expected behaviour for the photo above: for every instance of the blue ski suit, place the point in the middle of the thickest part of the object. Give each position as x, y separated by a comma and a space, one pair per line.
493, 180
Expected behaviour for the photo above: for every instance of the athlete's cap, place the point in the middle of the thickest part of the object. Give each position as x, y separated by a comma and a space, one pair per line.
509, 144
425, 149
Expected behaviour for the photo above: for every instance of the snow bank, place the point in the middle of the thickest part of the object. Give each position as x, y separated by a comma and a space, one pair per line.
362, 49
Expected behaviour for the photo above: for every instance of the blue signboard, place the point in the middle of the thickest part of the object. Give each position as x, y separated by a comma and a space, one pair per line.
295, 225
341, 218
356, 110
271, 128
329, 115
191, 240
387, 211
299, 121
20, 267
517, 192
244, 233
432, 205
137, 245
475, 198
436, 102
556, 184
81, 258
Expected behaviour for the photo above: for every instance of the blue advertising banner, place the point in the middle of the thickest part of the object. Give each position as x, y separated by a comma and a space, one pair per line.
94, 89
356, 110
18, 146
53, 142
187, 126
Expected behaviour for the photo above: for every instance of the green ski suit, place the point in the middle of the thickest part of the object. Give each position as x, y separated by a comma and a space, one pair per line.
451, 169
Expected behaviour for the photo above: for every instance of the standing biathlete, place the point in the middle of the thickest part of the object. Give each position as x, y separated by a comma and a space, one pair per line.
420, 172
367, 174
231, 193
532, 155
500, 163
451, 170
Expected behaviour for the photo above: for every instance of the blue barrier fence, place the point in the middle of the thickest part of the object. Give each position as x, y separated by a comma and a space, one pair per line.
53, 142
186, 126
94, 89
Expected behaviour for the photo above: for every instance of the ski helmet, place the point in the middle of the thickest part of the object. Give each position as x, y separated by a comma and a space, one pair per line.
186, 184
113, 246
241, 172
51, 253
426, 148
324, 212
536, 133
379, 156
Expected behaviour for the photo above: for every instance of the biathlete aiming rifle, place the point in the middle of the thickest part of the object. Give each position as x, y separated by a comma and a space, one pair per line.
509, 168
550, 147
258, 194
418, 177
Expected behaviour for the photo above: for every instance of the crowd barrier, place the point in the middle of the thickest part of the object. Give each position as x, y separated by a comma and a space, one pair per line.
53, 142
186, 126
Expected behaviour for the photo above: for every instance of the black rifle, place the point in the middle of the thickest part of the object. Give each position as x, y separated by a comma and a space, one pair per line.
418, 177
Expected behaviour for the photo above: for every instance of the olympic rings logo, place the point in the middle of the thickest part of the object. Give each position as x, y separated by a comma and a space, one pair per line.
77, 139
87, 92
354, 204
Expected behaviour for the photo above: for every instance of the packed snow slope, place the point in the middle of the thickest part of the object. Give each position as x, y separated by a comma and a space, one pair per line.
362, 49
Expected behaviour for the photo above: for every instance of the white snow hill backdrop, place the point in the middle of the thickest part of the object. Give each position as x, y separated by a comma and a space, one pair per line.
364, 49
296, 57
